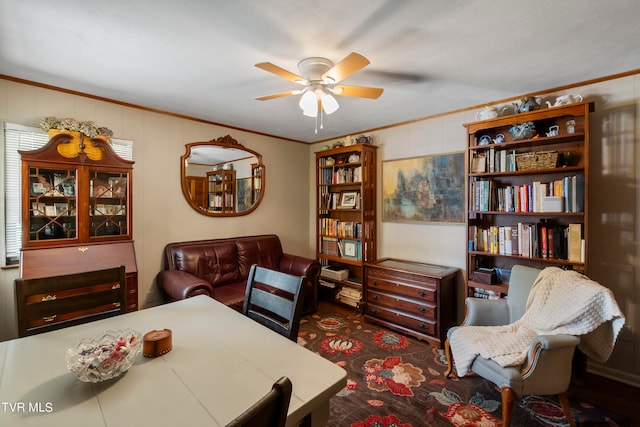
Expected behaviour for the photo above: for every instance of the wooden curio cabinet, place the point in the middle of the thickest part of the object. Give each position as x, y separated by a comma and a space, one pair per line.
527, 181
76, 210
345, 219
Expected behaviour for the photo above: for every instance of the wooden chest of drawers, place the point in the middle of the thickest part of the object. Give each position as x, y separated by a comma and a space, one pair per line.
413, 298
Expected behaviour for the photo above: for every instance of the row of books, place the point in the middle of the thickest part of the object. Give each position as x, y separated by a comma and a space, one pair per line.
341, 247
340, 175
337, 200
536, 240
218, 201
337, 228
493, 160
488, 195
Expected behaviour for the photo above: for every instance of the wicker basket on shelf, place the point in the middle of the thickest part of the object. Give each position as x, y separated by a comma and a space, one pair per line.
537, 160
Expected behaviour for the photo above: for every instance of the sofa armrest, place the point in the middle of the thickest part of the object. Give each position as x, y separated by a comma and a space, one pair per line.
300, 266
179, 285
308, 268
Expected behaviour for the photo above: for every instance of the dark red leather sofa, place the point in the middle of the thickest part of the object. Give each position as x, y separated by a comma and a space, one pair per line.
219, 268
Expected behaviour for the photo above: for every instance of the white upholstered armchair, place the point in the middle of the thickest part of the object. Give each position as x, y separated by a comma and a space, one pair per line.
547, 368
525, 344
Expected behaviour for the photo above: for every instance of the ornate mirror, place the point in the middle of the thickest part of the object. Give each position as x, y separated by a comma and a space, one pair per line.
221, 177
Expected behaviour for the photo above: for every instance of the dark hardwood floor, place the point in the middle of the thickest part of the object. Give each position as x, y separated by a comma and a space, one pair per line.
613, 396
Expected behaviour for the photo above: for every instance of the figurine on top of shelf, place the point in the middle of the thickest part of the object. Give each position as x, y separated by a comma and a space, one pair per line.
530, 103
364, 139
490, 112
565, 99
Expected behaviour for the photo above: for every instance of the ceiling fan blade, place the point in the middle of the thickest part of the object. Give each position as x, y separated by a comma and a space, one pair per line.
343, 69
268, 66
278, 95
358, 91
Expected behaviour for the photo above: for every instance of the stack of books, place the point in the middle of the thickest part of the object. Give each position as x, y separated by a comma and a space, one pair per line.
350, 296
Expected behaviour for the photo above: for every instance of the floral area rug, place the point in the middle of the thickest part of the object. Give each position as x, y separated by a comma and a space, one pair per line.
396, 381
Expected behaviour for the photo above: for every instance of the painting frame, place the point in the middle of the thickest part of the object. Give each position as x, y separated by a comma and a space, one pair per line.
424, 189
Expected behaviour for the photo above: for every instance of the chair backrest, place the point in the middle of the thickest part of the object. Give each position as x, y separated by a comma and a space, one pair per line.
270, 410
275, 300
520, 284
48, 303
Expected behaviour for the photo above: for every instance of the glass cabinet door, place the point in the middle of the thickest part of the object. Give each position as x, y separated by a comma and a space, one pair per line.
52, 204
108, 204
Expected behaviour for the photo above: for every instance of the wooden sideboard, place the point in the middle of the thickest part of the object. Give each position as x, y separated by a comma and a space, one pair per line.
413, 298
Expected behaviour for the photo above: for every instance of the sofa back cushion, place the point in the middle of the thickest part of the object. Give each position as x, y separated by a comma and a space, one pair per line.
265, 251
214, 261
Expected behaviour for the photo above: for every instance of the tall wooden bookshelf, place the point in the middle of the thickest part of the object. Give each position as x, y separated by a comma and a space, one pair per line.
345, 219
222, 191
527, 195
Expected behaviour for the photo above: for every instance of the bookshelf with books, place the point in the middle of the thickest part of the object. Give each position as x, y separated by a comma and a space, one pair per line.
345, 219
527, 194
222, 191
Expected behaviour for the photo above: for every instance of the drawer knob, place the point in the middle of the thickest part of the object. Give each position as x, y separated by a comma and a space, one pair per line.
422, 293
422, 325
49, 319
374, 283
374, 310
375, 297
422, 309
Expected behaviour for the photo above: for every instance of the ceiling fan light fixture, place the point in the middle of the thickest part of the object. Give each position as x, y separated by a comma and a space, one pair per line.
329, 103
320, 78
309, 104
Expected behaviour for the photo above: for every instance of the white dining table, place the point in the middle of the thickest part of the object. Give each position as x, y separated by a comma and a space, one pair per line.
221, 363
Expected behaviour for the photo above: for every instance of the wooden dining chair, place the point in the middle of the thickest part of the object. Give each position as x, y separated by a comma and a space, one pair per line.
48, 303
275, 300
270, 410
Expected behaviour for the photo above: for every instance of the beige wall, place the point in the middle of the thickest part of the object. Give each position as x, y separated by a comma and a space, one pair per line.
613, 215
160, 212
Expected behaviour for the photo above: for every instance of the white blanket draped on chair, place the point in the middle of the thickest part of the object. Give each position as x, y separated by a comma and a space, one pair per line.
560, 302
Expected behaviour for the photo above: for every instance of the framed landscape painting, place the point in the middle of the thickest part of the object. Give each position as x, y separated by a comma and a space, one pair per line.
243, 196
424, 189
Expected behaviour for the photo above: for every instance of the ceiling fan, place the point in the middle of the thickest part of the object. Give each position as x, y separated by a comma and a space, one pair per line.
320, 78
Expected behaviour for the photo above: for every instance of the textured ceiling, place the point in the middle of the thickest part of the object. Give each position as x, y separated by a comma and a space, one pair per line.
197, 57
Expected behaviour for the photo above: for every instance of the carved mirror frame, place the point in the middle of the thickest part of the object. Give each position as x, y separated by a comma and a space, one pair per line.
224, 142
